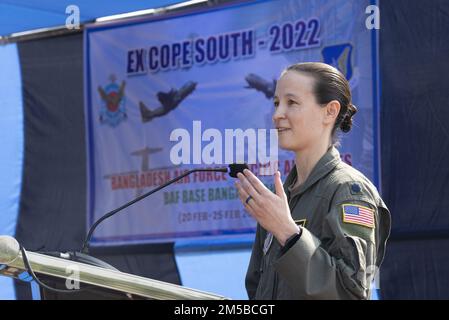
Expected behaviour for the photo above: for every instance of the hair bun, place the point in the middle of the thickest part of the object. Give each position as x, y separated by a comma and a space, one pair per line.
346, 124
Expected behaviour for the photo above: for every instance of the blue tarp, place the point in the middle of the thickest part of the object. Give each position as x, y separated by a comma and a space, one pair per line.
11, 142
25, 15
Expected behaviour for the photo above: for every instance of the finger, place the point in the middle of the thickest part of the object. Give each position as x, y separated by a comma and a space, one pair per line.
251, 211
243, 196
248, 187
255, 182
279, 188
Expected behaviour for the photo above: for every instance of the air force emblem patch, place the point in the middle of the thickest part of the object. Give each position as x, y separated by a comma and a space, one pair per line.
339, 56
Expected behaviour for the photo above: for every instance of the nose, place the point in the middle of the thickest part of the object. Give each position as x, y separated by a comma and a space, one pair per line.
279, 113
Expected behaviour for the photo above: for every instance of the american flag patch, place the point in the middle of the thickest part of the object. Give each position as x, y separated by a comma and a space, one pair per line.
358, 215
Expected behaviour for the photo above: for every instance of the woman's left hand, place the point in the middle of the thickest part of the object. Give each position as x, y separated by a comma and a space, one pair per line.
270, 209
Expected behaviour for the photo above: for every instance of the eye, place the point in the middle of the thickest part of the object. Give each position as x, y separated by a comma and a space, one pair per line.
291, 102
276, 104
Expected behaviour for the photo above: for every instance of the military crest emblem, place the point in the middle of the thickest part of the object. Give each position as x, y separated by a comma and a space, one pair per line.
340, 57
113, 99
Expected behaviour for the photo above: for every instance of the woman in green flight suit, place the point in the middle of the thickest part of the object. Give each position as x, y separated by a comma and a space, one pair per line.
322, 234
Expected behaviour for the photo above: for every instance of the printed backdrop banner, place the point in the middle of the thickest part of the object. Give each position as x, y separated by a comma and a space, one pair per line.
167, 95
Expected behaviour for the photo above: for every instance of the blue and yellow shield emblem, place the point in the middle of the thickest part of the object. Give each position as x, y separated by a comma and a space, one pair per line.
340, 57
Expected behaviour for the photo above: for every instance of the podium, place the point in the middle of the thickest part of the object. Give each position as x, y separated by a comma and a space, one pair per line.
98, 282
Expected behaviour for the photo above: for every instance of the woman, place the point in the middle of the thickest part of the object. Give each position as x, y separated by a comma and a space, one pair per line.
322, 235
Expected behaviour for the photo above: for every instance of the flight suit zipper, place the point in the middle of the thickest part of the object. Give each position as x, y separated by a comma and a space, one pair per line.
275, 286
291, 202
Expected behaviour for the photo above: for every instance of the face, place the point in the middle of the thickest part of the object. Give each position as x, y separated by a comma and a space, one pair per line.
299, 119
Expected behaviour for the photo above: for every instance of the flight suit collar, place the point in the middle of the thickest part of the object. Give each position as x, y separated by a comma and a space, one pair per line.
326, 164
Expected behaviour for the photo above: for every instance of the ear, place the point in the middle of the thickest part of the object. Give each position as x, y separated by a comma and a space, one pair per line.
332, 109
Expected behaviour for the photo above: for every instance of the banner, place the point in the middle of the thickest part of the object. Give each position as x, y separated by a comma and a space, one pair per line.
195, 91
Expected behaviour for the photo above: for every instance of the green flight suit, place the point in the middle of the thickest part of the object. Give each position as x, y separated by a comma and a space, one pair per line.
336, 255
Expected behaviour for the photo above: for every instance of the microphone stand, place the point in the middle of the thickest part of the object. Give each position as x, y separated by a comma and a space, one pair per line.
85, 248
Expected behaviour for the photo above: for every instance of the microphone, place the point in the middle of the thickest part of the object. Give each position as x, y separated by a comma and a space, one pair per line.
232, 170
235, 168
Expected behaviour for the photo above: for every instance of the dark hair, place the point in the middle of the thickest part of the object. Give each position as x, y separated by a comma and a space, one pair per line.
330, 84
